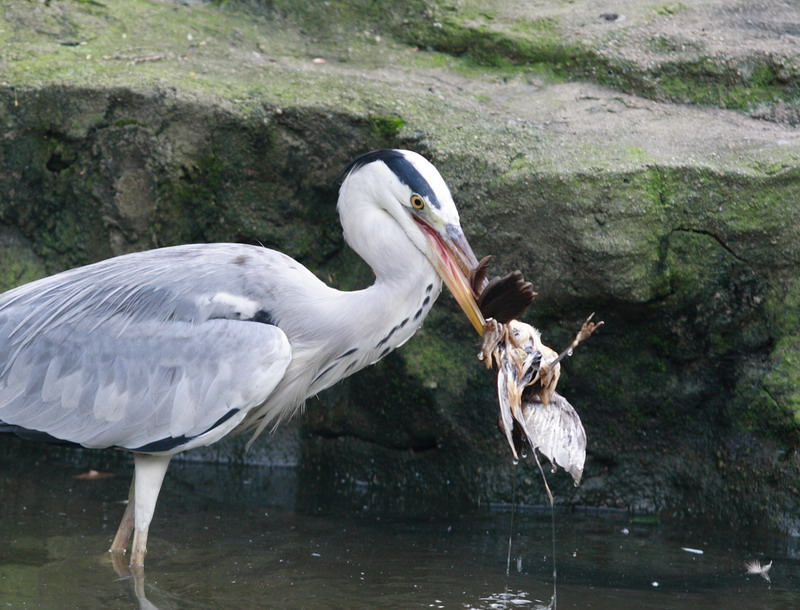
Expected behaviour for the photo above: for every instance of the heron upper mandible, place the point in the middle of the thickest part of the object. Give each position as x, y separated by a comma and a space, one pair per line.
162, 351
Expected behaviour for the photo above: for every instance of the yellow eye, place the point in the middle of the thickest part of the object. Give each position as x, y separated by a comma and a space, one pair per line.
417, 202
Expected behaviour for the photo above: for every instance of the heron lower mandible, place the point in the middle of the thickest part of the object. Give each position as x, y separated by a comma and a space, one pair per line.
162, 351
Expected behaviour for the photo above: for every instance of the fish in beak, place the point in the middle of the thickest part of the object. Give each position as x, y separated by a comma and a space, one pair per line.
455, 263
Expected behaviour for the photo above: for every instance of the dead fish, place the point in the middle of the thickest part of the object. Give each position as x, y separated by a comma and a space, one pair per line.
755, 567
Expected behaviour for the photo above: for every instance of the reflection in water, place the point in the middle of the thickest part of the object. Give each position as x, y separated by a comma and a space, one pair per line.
136, 576
509, 600
236, 538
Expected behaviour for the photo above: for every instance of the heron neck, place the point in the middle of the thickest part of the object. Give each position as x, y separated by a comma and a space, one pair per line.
405, 286
375, 320
379, 239
336, 333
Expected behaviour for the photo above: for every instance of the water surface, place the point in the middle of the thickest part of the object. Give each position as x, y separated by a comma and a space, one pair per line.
233, 537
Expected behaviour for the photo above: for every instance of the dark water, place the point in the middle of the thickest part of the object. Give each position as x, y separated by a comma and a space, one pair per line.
251, 538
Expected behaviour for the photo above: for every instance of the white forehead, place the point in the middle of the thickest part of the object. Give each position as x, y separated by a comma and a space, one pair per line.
402, 172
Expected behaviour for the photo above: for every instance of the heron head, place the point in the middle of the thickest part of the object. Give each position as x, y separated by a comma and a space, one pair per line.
408, 187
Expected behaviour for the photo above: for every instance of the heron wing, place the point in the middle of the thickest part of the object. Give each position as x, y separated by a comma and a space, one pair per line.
149, 351
152, 388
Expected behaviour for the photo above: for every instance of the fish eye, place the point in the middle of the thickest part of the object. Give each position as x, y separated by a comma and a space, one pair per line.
417, 202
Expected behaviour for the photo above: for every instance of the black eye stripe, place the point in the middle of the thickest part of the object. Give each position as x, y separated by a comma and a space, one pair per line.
402, 168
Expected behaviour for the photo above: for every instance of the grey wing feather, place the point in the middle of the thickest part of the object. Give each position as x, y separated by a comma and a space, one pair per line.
557, 432
140, 348
101, 390
179, 283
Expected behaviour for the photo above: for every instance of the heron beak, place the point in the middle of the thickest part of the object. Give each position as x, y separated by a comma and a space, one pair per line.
455, 262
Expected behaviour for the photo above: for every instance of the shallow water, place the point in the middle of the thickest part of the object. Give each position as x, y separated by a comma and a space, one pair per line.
228, 537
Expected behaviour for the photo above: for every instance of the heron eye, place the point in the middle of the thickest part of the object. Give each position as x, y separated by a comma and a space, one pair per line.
417, 202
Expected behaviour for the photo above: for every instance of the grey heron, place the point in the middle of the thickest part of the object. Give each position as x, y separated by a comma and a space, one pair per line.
161, 351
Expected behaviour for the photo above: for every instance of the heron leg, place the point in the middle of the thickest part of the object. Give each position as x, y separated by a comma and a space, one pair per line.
149, 474
125, 528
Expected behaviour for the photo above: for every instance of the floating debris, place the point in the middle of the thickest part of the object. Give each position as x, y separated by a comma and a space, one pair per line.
755, 567
92, 475
691, 550
510, 599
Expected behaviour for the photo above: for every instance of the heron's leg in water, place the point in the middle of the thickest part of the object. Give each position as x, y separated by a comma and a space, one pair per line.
149, 474
125, 528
